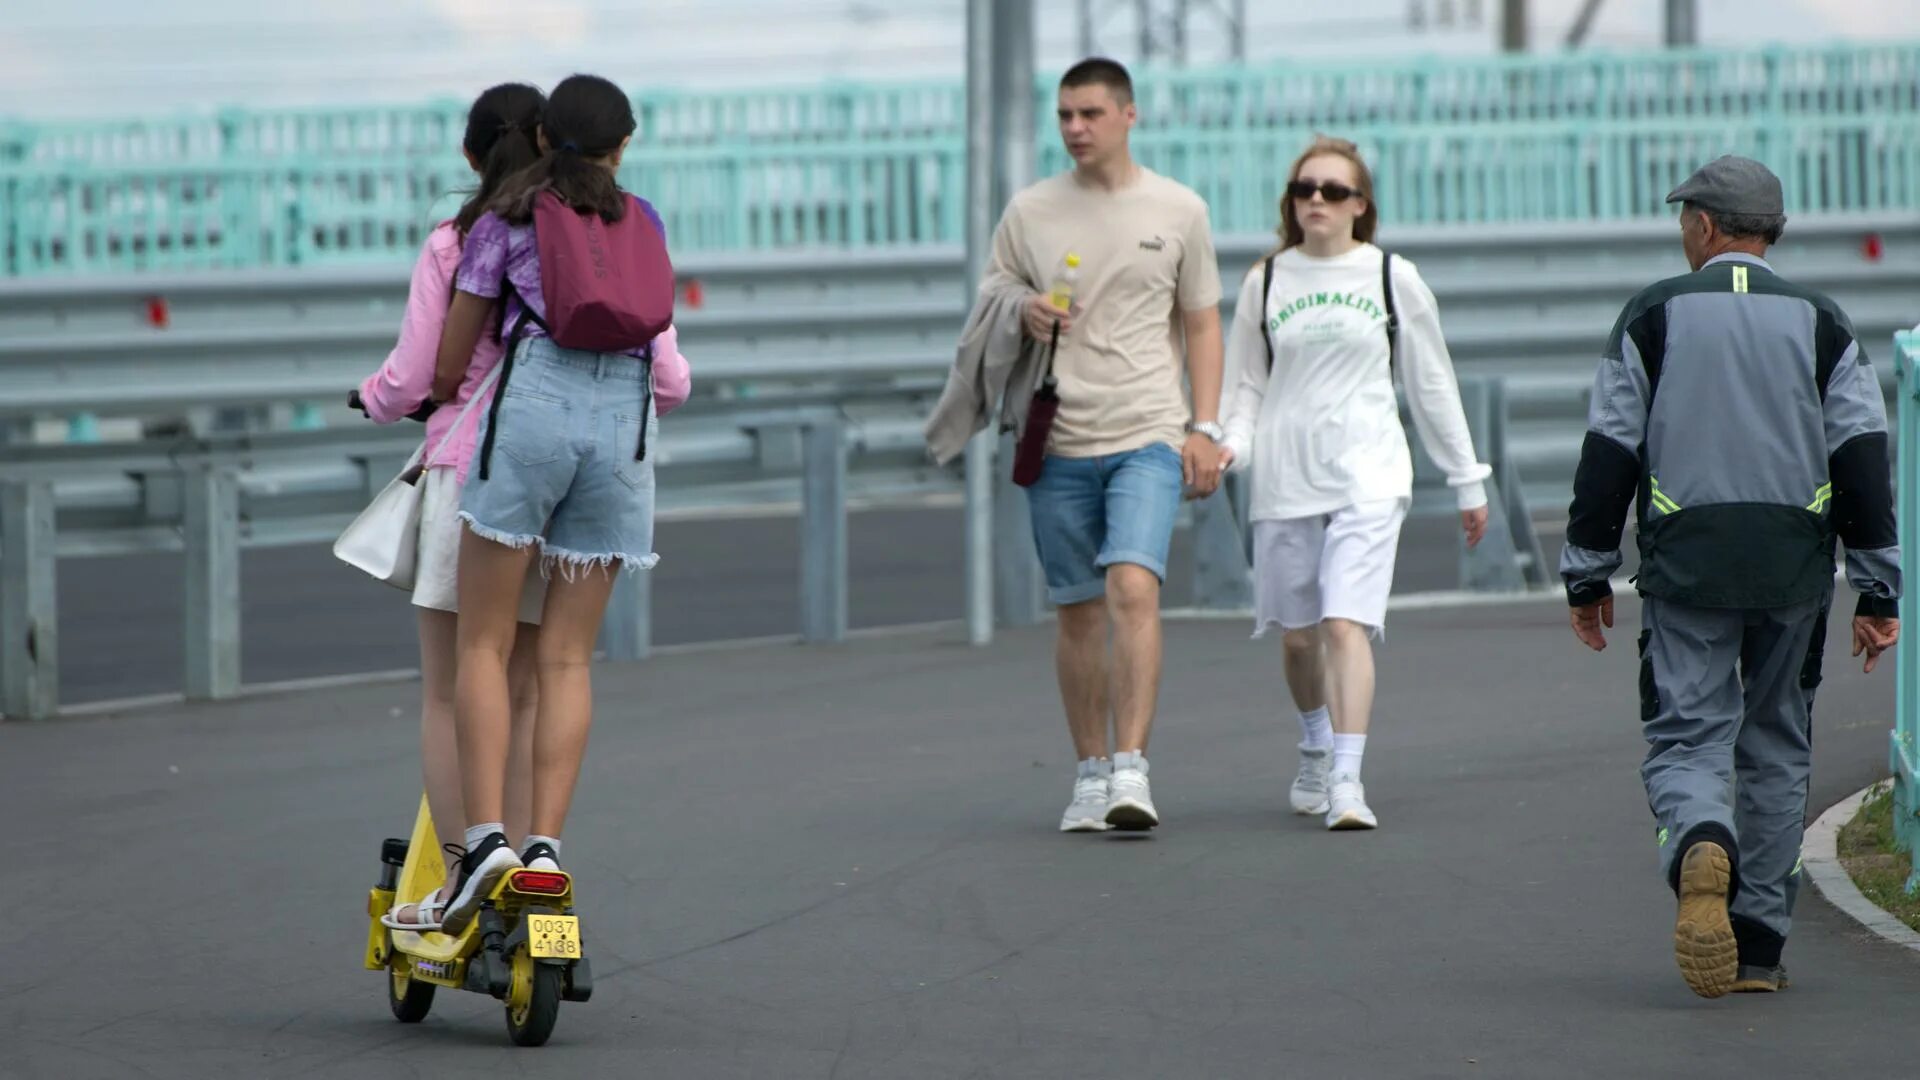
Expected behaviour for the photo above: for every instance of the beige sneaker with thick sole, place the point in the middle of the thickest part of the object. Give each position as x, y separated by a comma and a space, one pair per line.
1703, 941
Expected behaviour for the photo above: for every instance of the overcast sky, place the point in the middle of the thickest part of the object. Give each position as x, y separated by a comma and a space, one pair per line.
145, 57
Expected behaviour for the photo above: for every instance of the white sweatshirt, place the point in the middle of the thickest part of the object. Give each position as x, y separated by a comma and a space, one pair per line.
1322, 431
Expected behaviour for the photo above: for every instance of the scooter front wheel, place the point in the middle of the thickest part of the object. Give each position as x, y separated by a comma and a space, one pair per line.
408, 997
533, 1000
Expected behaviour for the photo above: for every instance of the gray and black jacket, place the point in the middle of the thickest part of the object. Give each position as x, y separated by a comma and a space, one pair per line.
1737, 410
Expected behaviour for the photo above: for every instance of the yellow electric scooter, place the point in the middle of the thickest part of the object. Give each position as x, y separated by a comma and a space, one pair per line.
523, 946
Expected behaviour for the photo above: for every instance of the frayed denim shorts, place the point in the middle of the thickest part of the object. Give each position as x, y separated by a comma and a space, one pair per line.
567, 470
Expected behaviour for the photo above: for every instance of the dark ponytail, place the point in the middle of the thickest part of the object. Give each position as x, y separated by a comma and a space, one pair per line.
501, 131
586, 118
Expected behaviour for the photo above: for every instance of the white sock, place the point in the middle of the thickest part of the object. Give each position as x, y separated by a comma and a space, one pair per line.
1131, 759
1316, 729
1346, 754
480, 832
551, 841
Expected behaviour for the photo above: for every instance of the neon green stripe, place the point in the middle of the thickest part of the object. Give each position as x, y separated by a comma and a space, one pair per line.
1660, 500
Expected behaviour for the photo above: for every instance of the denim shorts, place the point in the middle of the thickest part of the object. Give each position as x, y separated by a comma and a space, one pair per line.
1089, 513
564, 473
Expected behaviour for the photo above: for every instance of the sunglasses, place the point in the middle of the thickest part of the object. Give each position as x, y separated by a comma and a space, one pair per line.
1332, 191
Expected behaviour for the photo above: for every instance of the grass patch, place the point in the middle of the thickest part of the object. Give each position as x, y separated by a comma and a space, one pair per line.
1878, 868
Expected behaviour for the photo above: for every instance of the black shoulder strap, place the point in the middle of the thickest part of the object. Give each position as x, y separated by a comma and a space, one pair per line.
506, 371
1266, 287
1393, 316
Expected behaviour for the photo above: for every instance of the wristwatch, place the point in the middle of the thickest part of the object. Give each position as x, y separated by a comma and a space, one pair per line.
1210, 429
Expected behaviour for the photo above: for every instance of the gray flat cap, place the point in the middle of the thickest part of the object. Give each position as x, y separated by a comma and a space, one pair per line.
1733, 185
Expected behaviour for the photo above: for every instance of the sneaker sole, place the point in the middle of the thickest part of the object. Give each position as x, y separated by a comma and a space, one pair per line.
455, 918
1130, 816
1703, 941
1759, 986
1320, 807
1351, 822
1084, 825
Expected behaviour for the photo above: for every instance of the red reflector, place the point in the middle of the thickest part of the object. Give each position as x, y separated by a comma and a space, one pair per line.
159, 314
539, 883
696, 295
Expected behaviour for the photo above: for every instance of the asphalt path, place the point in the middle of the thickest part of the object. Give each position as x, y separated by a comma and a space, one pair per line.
841, 862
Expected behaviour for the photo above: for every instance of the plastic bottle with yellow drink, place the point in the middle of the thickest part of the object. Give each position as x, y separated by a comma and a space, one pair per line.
1061, 293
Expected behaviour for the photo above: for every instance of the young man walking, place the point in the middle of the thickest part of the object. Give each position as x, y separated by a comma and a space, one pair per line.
1739, 412
1138, 253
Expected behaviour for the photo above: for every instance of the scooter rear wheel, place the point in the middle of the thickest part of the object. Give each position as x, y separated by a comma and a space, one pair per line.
409, 998
533, 1002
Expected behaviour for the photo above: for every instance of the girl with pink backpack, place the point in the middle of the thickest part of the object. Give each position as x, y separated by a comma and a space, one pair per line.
574, 274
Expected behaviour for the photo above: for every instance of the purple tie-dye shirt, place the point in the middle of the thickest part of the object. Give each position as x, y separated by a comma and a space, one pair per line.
496, 251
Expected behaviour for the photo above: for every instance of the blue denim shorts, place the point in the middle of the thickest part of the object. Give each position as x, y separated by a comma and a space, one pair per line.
564, 472
1089, 513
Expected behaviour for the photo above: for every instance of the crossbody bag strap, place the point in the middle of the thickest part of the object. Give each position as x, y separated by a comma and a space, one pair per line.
479, 392
506, 370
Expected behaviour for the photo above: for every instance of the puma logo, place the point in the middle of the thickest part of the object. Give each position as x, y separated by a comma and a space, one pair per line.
1155, 244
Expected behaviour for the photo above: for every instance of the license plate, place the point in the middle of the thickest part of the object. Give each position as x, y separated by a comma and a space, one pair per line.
553, 936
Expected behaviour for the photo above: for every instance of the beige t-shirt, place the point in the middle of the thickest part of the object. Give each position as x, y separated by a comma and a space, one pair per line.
1146, 255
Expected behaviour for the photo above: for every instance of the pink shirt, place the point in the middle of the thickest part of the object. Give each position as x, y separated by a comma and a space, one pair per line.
405, 380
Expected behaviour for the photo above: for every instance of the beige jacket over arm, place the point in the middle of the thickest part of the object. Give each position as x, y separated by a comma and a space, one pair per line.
995, 359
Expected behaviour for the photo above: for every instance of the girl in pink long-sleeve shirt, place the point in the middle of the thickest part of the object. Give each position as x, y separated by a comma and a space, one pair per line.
499, 141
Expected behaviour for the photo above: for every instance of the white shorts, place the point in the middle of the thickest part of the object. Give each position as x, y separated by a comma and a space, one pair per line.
437, 569
1330, 566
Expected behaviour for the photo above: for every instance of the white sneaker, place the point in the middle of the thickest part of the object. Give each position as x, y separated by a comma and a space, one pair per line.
1130, 801
1347, 806
1088, 810
1309, 793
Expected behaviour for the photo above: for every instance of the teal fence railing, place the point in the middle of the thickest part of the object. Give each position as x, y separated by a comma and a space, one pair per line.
1906, 708
1574, 138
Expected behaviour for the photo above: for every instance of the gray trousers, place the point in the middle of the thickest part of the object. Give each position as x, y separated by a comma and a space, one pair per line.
1726, 703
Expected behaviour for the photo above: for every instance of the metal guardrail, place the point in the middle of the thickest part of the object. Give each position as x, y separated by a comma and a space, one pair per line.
210, 497
1527, 304
1538, 139
1906, 710
92, 219
1780, 81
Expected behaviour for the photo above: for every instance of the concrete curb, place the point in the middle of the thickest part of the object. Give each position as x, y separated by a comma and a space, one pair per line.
1821, 861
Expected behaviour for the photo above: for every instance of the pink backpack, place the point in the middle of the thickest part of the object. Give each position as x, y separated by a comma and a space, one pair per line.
615, 295
617, 289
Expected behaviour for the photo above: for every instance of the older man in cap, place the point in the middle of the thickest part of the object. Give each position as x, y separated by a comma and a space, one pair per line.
1737, 410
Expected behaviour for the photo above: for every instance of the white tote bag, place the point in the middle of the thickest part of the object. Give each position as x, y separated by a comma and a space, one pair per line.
384, 540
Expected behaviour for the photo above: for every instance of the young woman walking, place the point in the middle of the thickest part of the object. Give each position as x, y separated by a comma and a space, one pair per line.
1319, 331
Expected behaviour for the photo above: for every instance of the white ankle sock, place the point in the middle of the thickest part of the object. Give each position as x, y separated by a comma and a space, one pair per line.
1316, 729
480, 832
551, 841
1346, 754
1132, 759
